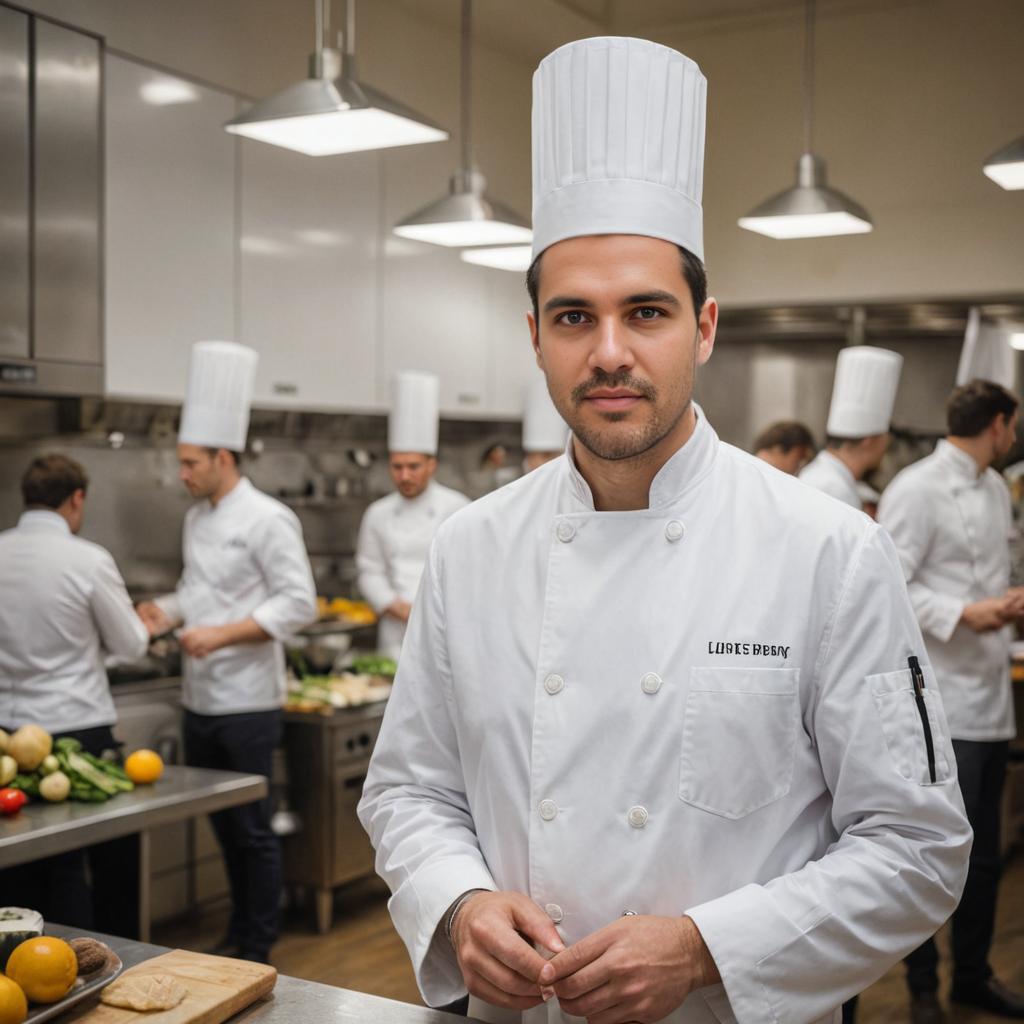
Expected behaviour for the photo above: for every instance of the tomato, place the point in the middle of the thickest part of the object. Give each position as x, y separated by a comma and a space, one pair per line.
12, 800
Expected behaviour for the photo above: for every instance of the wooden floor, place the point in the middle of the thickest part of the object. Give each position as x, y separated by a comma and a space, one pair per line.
362, 951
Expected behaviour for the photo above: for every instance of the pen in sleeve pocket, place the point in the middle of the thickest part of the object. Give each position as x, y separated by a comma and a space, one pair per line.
918, 678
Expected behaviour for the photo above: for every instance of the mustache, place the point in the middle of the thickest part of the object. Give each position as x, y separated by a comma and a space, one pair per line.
601, 380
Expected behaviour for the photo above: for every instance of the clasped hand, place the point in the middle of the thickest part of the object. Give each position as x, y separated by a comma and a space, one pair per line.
638, 968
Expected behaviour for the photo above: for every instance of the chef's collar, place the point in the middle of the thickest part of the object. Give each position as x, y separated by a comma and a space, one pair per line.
420, 498
959, 461
43, 519
234, 496
843, 468
685, 468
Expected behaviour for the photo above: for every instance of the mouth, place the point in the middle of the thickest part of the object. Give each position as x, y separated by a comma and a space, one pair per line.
613, 399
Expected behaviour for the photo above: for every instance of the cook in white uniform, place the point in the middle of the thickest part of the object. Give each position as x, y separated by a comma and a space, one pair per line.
655, 677
863, 396
949, 515
63, 605
544, 430
396, 530
246, 586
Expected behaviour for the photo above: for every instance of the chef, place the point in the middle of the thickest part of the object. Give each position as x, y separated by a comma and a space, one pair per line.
396, 530
863, 396
63, 605
787, 445
245, 587
655, 718
544, 431
949, 516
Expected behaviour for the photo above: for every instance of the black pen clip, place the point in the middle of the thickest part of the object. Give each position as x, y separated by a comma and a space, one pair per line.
917, 677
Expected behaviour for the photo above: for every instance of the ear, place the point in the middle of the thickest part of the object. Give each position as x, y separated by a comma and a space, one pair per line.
707, 326
535, 339
78, 499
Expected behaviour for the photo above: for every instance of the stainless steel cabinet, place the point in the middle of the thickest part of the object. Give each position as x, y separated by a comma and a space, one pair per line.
15, 195
67, 83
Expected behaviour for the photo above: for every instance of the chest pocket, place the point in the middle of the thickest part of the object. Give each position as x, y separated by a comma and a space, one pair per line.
237, 570
739, 738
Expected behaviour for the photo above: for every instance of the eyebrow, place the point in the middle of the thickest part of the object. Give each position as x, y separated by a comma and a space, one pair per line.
641, 298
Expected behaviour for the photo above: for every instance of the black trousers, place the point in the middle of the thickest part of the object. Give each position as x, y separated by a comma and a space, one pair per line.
59, 887
252, 853
981, 768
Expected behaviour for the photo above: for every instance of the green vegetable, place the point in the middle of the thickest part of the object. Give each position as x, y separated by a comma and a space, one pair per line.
26, 783
68, 744
374, 665
78, 765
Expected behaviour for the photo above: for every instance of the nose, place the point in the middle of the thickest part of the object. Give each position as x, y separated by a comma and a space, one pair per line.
611, 352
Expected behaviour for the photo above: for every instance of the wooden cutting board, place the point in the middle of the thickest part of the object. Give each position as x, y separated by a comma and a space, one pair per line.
218, 987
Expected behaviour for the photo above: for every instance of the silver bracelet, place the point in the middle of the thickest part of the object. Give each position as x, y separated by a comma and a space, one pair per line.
458, 906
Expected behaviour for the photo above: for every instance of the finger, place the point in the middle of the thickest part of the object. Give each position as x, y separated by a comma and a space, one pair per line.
536, 925
578, 955
499, 975
586, 979
507, 947
483, 989
597, 1001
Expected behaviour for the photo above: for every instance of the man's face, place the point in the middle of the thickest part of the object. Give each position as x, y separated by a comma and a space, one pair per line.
619, 340
411, 472
1006, 434
198, 470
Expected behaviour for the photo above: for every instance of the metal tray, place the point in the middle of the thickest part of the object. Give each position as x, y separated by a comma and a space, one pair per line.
82, 989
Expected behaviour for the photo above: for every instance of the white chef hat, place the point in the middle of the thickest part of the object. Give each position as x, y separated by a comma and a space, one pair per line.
544, 430
864, 391
415, 404
221, 379
618, 143
986, 353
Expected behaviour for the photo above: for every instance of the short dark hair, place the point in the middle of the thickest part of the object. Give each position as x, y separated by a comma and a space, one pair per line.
693, 271
787, 435
50, 480
971, 408
212, 452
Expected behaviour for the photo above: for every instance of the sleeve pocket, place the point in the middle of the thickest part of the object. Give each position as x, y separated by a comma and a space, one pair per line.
903, 727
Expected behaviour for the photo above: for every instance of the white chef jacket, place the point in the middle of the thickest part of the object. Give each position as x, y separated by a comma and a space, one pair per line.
244, 557
394, 538
62, 604
702, 707
831, 475
951, 526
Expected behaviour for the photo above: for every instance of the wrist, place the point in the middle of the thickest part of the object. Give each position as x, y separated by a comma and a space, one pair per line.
705, 970
453, 912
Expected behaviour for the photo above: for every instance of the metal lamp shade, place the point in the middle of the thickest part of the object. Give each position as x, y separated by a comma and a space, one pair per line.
808, 210
465, 217
503, 257
322, 116
1006, 166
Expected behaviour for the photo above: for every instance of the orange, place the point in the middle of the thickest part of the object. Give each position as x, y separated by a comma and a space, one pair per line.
13, 1005
44, 967
144, 766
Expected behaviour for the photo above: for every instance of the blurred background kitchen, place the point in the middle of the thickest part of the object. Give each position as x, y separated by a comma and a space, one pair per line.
132, 225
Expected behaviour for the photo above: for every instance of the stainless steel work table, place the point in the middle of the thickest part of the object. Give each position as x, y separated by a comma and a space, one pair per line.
41, 829
293, 1001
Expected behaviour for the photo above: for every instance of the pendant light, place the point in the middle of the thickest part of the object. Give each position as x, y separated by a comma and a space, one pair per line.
1006, 166
466, 216
810, 209
331, 111
502, 257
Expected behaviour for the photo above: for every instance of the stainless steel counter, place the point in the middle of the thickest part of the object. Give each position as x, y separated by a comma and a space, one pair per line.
294, 1001
41, 829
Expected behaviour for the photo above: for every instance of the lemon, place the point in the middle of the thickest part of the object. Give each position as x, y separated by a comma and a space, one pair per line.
45, 967
144, 766
13, 1005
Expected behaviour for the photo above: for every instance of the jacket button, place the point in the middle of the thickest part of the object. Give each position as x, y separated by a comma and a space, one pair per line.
554, 684
554, 911
674, 530
548, 809
651, 683
565, 531
637, 816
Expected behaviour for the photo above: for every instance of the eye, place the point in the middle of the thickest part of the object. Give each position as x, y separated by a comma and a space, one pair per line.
573, 318
647, 313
